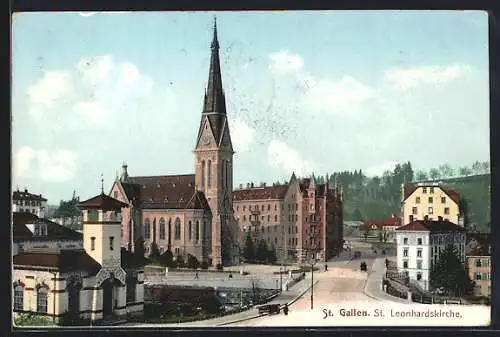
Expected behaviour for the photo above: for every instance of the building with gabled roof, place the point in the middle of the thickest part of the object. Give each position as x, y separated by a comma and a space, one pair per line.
26, 202
420, 243
429, 200
190, 214
300, 220
93, 282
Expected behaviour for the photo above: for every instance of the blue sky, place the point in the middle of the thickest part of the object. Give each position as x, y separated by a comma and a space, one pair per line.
320, 91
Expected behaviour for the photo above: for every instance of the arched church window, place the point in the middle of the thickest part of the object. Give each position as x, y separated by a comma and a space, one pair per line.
227, 172
18, 296
203, 174
209, 174
147, 229
162, 229
190, 230
177, 225
197, 230
41, 299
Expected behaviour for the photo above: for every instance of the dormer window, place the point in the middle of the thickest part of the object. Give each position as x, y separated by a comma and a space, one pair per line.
40, 229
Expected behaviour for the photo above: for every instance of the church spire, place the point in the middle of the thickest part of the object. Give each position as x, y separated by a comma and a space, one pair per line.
214, 96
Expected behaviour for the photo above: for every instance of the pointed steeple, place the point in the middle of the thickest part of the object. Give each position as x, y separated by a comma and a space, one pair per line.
214, 95
214, 104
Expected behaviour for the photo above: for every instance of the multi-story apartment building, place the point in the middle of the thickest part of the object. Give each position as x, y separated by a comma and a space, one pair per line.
478, 253
26, 202
421, 242
298, 219
431, 201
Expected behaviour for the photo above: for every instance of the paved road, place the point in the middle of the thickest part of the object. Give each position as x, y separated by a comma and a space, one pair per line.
339, 284
374, 284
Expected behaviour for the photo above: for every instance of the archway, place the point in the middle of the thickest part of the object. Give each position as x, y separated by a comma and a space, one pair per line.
74, 287
109, 298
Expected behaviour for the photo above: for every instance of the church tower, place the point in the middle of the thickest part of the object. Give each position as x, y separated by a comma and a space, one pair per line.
214, 162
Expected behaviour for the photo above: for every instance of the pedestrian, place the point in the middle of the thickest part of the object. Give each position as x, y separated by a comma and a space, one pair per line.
326, 267
196, 275
285, 310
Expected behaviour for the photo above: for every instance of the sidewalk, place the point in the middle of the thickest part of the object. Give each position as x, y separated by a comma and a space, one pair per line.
373, 287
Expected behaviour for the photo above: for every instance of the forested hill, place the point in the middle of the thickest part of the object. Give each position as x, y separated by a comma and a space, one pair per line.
376, 198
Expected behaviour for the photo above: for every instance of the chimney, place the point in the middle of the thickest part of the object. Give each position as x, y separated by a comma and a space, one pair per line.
248, 185
263, 184
251, 185
411, 218
440, 218
241, 186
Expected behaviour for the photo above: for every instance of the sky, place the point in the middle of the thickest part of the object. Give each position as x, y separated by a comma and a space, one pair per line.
318, 91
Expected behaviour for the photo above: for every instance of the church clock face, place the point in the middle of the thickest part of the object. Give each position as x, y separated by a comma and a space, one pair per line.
206, 140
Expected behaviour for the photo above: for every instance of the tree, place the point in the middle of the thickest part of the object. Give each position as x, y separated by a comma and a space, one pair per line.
155, 255
272, 258
357, 215
179, 261
463, 208
261, 254
464, 171
476, 167
249, 249
167, 258
139, 250
485, 167
434, 174
193, 262
421, 176
450, 274
446, 171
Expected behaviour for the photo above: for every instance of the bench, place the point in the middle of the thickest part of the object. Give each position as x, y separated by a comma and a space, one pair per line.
269, 309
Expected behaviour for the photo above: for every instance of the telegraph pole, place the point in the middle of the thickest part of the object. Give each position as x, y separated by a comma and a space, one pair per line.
312, 234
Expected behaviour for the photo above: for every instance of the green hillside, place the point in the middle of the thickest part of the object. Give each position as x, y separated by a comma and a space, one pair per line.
379, 197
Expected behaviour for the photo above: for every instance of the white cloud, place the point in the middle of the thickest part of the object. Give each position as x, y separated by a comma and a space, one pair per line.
22, 162
405, 79
54, 88
241, 135
285, 61
336, 97
318, 94
92, 111
50, 166
281, 156
378, 170
97, 88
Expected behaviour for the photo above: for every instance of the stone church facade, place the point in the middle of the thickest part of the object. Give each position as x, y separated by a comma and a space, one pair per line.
189, 214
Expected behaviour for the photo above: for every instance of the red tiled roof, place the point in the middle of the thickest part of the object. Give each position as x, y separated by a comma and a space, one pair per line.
54, 231
431, 226
102, 201
64, 261
171, 192
409, 189
25, 195
393, 221
261, 193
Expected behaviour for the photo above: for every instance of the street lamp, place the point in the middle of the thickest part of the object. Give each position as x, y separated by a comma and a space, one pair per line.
281, 279
312, 230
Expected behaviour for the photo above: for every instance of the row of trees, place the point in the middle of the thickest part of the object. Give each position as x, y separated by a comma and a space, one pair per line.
446, 171
167, 259
260, 253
